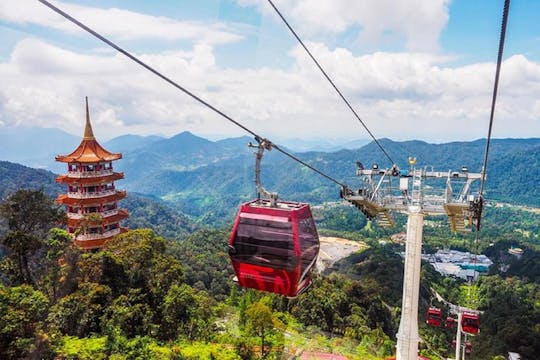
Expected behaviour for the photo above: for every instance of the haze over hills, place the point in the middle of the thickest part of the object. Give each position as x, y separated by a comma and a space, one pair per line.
35, 147
130, 142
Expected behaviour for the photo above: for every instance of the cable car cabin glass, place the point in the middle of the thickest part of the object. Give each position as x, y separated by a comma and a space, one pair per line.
274, 248
470, 323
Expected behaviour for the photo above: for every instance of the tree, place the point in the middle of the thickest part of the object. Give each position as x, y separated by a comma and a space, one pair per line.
56, 244
259, 320
510, 319
21, 311
186, 313
29, 215
79, 314
129, 314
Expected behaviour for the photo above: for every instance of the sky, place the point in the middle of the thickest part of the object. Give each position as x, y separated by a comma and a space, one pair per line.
412, 69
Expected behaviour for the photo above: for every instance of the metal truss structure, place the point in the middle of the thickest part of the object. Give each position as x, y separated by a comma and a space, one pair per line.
415, 192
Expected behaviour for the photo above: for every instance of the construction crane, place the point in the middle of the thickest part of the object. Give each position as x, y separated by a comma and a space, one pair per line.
415, 192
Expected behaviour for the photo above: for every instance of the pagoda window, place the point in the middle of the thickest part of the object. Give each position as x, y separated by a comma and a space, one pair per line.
111, 227
72, 167
73, 188
94, 230
92, 209
91, 189
108, 207
89, 167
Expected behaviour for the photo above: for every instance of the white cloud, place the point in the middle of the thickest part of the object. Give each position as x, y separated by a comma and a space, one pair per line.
415, 23
398, 95
119, 24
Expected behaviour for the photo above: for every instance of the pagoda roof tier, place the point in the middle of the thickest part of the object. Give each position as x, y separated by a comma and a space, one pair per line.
96, 241
89, 150
75, 179
121, 214
64, 199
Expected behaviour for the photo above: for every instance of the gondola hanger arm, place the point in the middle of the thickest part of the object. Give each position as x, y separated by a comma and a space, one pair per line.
263, 144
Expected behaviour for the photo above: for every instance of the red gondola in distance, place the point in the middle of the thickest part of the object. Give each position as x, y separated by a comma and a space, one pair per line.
468, 347
274, 248
470, 323
434, 317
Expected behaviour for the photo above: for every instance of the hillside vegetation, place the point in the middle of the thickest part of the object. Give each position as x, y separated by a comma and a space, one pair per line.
203, 178
146, 296
165, 289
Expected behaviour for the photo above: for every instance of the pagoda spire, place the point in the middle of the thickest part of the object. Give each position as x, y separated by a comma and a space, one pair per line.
88, 133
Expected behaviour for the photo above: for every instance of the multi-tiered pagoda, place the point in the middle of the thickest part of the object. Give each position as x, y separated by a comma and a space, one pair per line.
92, 199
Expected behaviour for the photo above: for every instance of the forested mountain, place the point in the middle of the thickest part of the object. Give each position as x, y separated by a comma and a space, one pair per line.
203, 177
144, 296
15, 176
198, 185
208, 179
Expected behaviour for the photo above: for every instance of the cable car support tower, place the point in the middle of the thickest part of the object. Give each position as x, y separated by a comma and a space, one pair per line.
415, 192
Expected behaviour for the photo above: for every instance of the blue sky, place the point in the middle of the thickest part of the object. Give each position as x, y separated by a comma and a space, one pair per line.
413, 69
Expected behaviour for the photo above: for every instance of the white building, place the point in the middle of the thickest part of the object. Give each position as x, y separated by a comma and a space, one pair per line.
459, 264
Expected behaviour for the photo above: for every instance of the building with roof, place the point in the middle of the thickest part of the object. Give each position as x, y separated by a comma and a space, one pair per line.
92, 199
458, 264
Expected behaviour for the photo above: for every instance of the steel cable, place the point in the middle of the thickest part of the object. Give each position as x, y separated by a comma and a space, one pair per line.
331, 82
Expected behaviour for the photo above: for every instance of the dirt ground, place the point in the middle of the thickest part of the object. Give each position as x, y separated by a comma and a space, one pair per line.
333, 249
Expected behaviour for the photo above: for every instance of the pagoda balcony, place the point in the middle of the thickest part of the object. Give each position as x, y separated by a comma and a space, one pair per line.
87, 180
107, 213
85, 174
106, 234
109, 217
89, 195
75, 216
76, 199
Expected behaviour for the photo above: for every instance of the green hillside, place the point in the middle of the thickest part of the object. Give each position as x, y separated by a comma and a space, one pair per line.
167, 292
214, 188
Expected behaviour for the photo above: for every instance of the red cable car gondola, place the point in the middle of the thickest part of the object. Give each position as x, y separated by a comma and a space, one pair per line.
274, 248
470, 323
450, 322
274, 244
434, 317
468, 347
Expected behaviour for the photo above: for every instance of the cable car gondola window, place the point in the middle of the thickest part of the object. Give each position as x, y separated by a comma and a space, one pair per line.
309, 243
265, 242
